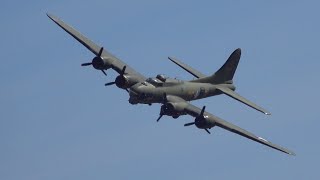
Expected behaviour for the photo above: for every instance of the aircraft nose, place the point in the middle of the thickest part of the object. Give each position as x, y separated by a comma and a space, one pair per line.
140, 90
133, 93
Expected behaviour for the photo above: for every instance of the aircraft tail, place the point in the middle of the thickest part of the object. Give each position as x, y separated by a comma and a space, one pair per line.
226, 72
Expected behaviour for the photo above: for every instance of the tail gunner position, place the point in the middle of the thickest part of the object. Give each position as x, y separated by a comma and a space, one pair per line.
173, 94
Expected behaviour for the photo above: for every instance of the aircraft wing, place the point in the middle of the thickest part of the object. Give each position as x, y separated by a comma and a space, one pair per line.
212, 121
116, 64
235, 129
186, 67
237, 97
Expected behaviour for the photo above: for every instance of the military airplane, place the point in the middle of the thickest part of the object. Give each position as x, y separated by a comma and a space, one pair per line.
173, 94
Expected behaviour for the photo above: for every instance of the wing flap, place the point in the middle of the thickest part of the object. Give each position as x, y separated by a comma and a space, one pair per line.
237, 97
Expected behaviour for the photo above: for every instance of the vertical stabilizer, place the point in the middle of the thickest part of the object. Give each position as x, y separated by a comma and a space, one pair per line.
226, 72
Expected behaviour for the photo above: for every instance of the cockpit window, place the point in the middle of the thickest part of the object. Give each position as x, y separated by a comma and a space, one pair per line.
149, 80
154, 81
161, 77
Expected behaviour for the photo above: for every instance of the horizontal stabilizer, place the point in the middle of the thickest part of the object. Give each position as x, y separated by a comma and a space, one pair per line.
236, 96
186, 67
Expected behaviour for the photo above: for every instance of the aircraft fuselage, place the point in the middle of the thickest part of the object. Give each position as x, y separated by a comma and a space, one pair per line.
146, 93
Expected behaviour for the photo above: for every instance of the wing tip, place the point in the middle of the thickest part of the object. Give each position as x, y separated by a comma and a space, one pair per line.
287, 151
49, 15
291, 153
267, 113
52, 17
171, 58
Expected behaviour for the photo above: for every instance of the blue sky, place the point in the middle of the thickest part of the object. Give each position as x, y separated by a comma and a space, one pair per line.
58, 121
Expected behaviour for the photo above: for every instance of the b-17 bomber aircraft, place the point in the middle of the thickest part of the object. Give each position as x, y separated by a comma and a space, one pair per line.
174, 94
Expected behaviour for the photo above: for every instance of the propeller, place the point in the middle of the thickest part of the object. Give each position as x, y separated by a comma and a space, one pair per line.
198, 119
119, 78
97, 62
121, 74
164, 100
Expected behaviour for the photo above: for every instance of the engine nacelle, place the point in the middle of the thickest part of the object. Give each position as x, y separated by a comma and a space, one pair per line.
99, 63
201, 123
173, 109
125, 81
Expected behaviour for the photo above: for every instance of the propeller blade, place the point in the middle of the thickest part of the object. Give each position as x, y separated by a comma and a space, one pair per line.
86, 64
110, 83
207, 131
123, 70
159, 117
100, 52
202, 111
189, 124
165, 97
104, 72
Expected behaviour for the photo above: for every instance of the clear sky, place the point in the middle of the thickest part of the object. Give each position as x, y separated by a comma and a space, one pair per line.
59, 121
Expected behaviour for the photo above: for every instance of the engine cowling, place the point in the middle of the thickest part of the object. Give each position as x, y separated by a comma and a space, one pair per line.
172, 109
200, 122
125, 81
99, 63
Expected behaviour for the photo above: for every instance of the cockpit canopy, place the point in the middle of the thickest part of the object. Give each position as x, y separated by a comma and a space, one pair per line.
162, 80
161, 77
158, 80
